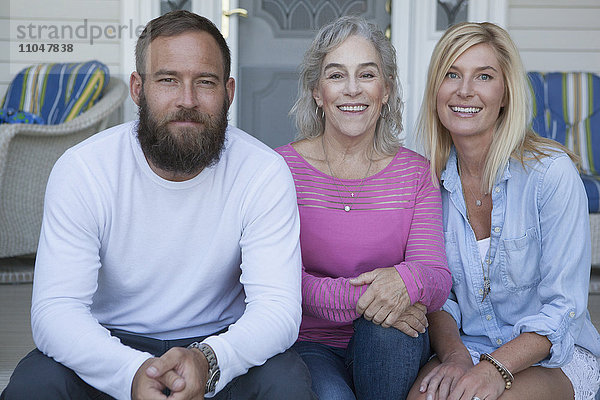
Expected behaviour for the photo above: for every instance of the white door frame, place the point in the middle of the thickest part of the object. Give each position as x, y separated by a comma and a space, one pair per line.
413, 36
137, 12
213, 10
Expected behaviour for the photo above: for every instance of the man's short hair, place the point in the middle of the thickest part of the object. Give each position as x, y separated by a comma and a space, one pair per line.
176, 23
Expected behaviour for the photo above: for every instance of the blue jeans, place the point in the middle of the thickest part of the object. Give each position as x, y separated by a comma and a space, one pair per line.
379, 363
40, 377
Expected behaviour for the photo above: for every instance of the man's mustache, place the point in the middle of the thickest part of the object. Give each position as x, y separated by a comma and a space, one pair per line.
187, 115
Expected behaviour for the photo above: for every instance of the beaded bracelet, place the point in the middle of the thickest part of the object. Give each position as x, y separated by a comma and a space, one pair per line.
506, 375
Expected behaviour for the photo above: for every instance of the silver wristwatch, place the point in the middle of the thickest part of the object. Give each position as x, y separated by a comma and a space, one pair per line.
214, 373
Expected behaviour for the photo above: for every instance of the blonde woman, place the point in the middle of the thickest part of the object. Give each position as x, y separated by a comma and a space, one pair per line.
516, 229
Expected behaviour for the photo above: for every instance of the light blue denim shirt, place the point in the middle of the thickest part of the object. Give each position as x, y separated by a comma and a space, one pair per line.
539, 259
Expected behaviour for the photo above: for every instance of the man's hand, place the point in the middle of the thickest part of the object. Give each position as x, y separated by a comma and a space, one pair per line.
183, 371
386, 297
145, 387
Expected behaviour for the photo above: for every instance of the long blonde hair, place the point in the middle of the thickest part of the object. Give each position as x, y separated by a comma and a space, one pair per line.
513, 136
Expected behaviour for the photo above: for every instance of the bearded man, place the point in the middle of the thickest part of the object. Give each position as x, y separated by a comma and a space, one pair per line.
169, 262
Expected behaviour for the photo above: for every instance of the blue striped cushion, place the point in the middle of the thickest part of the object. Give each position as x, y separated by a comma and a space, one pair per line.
575, 117
536, 80
592, 188
567, 109
57, 92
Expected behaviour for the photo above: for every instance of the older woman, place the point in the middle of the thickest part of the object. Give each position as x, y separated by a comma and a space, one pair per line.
516, 324
371, 238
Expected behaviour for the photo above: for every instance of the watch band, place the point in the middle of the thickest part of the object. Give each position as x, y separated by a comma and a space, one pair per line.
214, 373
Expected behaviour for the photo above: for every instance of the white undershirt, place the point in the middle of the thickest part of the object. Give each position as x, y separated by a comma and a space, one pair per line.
484, 246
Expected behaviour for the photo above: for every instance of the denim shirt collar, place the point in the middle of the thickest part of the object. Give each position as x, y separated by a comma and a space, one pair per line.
453, 185
451, 180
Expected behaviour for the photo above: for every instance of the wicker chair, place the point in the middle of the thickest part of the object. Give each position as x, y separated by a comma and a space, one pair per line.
27, 154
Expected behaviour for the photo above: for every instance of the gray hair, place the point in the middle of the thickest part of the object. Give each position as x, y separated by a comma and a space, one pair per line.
308, 123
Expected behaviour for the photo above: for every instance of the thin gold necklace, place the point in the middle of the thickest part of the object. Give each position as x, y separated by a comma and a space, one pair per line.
487, 285
478, 202
346, 207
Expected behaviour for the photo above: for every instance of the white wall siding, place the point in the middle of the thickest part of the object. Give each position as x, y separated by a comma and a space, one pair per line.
556, 35
27, 24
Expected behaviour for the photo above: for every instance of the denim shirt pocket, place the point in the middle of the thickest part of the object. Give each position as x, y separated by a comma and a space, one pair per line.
453, 258
519, 262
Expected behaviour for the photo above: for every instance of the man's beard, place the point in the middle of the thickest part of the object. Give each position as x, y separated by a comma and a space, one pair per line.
186, 150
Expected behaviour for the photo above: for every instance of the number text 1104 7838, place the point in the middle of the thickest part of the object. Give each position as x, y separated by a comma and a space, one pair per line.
45, 48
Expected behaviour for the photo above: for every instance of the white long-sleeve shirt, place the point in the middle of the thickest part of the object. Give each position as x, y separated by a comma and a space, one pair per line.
122, 248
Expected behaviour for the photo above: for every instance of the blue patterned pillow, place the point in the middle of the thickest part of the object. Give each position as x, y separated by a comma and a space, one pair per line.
57, 92
567, 109
12, 116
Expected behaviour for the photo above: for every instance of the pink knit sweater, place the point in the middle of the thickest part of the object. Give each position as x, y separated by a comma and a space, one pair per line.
395, 220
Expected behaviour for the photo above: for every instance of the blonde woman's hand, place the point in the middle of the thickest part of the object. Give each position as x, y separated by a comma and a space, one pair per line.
443, 379
483, 381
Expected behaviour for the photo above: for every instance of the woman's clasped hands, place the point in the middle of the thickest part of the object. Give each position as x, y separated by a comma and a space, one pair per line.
386, 302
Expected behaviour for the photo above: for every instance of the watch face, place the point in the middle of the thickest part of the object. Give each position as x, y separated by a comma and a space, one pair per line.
215, 376
211, 383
